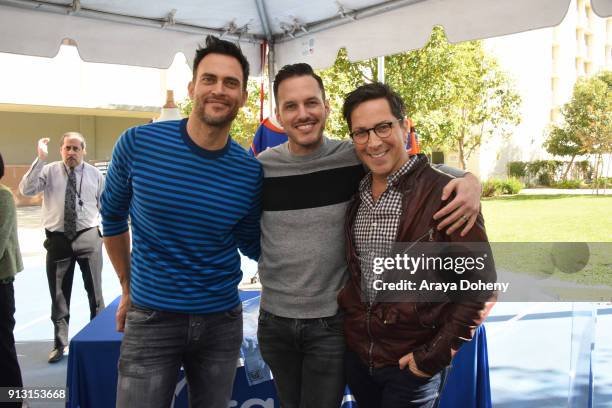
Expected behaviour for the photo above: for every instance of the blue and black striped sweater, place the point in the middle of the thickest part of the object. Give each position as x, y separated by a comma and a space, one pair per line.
190, 210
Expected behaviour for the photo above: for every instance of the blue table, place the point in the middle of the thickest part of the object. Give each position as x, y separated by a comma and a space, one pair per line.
92, 368
94, 352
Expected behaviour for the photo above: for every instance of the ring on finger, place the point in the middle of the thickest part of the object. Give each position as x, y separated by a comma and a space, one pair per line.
464, 217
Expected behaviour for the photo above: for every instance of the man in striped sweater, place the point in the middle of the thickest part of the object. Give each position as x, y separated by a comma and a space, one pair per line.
193, 197
308, 183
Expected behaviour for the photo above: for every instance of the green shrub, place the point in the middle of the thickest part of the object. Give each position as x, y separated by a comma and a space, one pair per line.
517, 169
494, 187
583, 170
549, 172
544, 179
605, 180
568, 184
490, 188
601, 182
544, 171
512, 186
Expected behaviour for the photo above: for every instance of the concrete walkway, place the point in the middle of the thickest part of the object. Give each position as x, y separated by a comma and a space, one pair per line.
560, 191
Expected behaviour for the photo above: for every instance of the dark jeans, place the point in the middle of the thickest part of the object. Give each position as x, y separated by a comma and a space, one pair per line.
390, 387
306, 358
62, 256
154, 346
10, 374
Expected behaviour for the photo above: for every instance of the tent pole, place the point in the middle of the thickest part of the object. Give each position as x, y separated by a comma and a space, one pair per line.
381, 69
271, 73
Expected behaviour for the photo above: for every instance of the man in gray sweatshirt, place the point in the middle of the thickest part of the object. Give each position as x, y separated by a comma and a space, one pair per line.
308, 183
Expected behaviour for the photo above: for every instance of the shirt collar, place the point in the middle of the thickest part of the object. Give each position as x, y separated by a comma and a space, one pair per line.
77, 169
393, 179
365, 184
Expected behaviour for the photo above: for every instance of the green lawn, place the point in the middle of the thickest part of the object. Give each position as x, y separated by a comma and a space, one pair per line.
558, 218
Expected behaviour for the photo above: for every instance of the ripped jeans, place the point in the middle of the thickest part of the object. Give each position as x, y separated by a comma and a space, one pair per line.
156, 343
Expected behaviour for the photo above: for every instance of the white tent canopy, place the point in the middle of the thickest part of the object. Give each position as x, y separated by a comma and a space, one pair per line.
150, 33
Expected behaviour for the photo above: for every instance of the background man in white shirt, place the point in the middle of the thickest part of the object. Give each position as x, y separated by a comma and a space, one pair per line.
70, 214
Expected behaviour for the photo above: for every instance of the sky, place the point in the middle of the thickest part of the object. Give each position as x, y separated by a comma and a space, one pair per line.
66, 80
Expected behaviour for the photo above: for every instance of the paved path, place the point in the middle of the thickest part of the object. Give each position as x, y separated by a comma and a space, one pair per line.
560, 191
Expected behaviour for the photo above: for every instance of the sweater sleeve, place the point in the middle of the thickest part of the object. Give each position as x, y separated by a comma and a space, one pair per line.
7, 218
117, 195
247, 232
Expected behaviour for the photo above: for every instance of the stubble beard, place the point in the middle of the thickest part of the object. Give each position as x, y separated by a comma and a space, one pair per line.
214, 121
317, 142
71, 163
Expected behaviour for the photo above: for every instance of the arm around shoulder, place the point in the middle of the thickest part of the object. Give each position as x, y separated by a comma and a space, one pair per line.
451, 171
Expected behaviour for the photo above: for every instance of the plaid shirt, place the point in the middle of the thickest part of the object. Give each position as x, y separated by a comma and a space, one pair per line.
376, 223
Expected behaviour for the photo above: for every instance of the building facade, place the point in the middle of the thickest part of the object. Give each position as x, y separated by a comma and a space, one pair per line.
545, 64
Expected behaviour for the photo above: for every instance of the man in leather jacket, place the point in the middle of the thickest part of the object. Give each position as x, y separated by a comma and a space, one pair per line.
398, 352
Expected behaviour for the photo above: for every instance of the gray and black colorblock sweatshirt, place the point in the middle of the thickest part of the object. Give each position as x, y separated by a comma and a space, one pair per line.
302, 265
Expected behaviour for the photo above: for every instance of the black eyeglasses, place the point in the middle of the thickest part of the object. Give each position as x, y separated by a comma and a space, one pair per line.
382, 130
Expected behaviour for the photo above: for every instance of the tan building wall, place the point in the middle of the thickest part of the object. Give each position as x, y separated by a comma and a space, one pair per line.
20, 131
11, 179
452, 159
544, 65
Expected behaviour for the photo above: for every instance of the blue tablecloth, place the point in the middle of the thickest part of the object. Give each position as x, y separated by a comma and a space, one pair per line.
94, 352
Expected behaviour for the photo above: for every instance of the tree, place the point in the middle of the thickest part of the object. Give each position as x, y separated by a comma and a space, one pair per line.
587, 121
338, 80
247, 121
456, 93
486, 101
562, 142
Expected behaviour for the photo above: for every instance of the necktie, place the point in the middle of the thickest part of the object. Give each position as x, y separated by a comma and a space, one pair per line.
70, 207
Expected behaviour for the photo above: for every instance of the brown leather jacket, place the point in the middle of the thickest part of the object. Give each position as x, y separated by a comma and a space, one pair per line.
385, 332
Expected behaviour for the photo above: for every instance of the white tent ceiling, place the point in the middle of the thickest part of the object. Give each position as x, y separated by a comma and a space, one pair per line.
150, 33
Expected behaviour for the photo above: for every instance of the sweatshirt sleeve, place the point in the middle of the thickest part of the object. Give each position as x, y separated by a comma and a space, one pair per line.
451, 171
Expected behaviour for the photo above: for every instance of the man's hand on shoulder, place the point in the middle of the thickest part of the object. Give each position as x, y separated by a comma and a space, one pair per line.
464, 208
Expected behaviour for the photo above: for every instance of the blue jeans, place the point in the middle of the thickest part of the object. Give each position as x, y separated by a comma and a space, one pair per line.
390, 387
155, 345
306, 357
